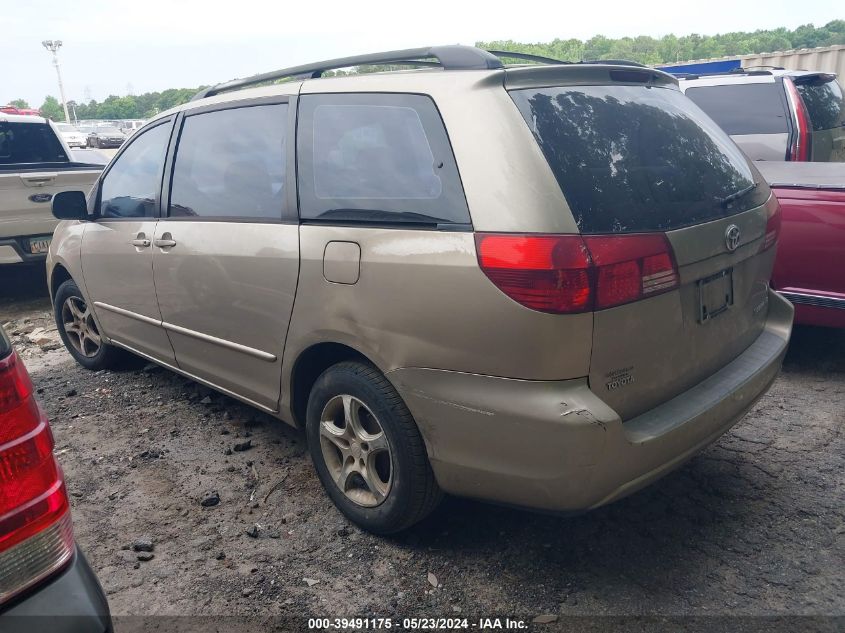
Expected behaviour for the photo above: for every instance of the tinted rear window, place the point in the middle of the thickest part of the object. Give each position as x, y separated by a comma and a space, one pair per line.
29, 143
744, 108
632, 158
824, 103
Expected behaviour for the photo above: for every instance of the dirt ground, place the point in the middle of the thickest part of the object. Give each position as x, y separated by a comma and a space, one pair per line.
754, 526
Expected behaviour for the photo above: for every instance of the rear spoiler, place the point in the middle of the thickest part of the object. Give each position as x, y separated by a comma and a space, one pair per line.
812, 78
585, 74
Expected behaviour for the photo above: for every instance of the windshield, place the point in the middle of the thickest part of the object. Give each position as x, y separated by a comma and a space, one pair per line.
108, 130
637, 158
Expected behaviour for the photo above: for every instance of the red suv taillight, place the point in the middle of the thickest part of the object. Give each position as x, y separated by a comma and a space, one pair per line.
772, 226
36, 536
802, 137
565, 274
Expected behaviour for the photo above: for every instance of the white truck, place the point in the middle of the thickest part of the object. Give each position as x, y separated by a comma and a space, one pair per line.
35, 164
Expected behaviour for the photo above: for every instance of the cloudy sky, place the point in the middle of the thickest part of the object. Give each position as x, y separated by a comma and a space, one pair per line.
116, 47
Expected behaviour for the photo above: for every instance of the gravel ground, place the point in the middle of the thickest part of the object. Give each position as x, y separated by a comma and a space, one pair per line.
754, 526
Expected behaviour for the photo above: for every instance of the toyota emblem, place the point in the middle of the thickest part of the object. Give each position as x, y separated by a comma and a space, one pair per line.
732, 237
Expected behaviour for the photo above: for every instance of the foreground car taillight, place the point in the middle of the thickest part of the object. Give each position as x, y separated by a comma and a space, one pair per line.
36, 536
566, 274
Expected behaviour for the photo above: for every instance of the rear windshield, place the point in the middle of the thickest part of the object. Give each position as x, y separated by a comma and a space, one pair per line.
824, 102
636, 158
744, 108
29, 143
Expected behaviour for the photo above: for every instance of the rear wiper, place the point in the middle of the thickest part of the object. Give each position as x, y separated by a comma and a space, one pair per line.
737, 194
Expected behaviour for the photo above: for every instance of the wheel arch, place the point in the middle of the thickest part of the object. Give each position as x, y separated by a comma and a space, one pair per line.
309, 364
58, 276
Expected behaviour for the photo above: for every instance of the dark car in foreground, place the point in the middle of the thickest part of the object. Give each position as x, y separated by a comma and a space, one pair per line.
45, 581
808, 268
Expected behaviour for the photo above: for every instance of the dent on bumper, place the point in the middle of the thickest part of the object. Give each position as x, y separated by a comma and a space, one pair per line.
555, 446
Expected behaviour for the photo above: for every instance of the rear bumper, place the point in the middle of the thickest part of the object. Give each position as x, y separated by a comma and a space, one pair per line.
70, 602
555, 446
12, 252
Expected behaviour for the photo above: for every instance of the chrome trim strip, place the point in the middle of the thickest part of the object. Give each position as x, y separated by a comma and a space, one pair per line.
128, 313
250, 351
186, 374
820, 301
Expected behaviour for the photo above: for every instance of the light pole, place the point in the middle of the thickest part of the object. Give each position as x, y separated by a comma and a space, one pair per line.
54, 46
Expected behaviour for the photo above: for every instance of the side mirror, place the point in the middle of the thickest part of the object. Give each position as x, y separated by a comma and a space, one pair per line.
70, 205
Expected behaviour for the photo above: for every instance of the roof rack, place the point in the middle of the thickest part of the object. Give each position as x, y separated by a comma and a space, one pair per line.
446, 57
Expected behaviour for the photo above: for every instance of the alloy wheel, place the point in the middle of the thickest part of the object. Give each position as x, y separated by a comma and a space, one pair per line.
356, 450
78, 324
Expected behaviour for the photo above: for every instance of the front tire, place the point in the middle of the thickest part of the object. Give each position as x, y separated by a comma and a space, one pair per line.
79, 331
367, 449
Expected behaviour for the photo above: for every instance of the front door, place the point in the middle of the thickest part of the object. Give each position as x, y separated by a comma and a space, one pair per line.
226, 254
117, 254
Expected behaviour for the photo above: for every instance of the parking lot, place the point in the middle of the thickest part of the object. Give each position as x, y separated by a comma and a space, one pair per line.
753, 526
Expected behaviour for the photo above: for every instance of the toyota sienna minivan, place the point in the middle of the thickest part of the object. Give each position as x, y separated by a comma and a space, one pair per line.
542, 285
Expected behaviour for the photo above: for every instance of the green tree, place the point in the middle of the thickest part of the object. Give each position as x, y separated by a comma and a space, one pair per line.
19, 103
52, 109
672, 48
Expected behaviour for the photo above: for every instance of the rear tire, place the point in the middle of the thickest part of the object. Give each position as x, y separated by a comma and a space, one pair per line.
79, 332
388, 484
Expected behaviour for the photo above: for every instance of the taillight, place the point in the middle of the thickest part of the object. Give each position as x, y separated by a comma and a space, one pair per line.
772, 226
550, 273
565, 274
631, 267
36, 537
799, 148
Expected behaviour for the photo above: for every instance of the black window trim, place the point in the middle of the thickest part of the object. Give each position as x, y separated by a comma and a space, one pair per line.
95, 212
289, 214
384, 224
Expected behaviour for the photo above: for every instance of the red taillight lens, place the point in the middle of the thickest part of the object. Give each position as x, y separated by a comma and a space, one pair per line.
572, 273
799, 149
35, 530
772, 227
631, 267
549, 273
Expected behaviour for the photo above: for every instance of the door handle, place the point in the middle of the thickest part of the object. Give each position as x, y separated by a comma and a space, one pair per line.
165, 241
140, 241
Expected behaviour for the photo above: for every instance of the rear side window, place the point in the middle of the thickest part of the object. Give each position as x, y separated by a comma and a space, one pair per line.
824, 102
231, 164
29, 143
377, 158
744, 108
130, 187
634, 158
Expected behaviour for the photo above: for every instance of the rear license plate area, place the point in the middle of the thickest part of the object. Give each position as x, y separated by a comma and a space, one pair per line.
715, 295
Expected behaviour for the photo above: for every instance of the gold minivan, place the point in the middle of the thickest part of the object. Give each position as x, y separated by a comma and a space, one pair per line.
543, 285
